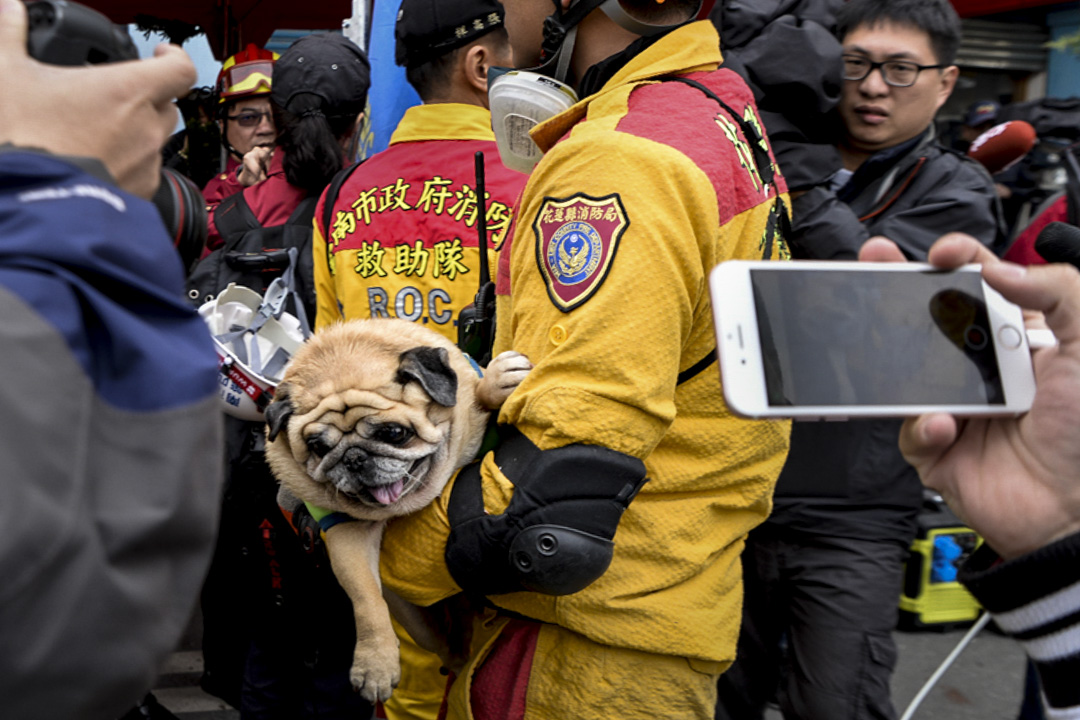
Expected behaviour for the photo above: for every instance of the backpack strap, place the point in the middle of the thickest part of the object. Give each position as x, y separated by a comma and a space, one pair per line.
778, 219
331, 196
234, 217
778, 216
749, 130
304, 212
694, 370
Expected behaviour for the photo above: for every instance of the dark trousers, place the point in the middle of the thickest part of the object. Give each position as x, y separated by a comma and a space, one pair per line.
818, 617
1031, 707
288, 678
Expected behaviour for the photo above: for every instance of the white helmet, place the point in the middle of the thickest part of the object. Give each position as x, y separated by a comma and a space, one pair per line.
254, 340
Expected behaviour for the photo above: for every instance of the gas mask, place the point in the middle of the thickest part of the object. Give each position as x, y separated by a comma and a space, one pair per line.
522, 99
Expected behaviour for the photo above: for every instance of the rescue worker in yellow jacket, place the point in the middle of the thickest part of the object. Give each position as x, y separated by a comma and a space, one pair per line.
656, 175
403, 240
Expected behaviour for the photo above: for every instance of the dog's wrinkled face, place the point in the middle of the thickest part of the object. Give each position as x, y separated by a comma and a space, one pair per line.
361, 426
376, 449
374, 461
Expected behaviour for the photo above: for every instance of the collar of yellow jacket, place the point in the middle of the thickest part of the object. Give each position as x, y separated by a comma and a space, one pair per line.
692, 48
444, 121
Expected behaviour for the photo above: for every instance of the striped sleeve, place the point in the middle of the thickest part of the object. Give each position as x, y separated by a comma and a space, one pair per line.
1035, 599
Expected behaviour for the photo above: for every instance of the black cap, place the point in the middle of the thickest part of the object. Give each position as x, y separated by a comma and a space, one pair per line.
980, 112
324, 71
428, 29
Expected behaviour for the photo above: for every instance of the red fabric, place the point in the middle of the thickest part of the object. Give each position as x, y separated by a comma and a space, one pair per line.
417, 168
693, 131
500, 684
222, 185
444, 707
273, 200
502, 274
230, 24
1022, 251
977, 8
428, 209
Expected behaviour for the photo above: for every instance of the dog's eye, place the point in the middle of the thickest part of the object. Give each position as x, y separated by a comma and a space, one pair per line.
392, 434
317, 444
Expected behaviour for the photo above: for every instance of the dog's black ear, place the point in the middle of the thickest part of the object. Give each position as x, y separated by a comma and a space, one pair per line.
430, 366
278, 412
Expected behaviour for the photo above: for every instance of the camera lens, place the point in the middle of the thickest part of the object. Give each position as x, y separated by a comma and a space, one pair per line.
183, 211
975, 337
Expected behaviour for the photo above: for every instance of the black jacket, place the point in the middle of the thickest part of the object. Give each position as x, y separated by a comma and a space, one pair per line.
913, 197
786, 53
849, 479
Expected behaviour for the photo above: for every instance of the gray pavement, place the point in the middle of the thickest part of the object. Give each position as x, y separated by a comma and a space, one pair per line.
985, 683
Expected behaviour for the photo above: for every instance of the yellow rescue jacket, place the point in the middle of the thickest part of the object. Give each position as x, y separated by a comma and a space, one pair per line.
644, 187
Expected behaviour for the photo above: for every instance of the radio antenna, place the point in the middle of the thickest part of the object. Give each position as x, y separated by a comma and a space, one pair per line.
481, 218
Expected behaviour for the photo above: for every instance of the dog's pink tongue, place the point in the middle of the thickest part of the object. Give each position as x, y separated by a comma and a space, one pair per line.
388, 494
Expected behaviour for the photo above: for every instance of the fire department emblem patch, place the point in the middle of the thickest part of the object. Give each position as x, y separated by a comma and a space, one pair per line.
576, 240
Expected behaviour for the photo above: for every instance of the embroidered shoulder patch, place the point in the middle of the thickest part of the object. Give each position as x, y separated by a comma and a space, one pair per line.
576, 240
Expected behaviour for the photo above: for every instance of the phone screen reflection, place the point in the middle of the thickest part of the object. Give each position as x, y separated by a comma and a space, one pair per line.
875, 338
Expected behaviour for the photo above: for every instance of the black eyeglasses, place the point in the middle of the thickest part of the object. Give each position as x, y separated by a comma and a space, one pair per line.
250, 118
898, 73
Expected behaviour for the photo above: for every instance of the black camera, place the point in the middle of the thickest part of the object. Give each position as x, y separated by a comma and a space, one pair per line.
67, 33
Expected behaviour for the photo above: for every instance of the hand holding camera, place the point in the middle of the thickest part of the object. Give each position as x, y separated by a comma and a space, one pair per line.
120, 113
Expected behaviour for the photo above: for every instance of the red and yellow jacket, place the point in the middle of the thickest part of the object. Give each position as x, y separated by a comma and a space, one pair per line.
644, 187
404, 240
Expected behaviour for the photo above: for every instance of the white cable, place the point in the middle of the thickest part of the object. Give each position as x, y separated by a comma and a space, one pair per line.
925, 690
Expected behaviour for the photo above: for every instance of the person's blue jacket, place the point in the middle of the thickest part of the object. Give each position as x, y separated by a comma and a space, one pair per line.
109, 442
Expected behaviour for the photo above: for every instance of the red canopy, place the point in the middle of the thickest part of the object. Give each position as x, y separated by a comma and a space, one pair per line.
976, 8
232, 24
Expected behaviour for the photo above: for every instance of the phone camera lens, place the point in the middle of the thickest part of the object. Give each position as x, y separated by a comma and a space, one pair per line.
975, 337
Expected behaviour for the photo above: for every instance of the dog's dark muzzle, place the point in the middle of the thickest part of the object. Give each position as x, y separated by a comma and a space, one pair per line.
356, 461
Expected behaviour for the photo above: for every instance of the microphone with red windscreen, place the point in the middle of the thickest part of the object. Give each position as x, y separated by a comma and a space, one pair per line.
1002, 145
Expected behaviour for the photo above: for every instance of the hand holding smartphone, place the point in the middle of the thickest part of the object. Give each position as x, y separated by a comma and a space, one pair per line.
839, 340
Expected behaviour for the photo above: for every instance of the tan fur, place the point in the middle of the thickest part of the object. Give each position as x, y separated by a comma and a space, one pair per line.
341, 384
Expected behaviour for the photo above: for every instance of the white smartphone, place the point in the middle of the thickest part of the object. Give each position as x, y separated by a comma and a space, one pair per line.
837, 340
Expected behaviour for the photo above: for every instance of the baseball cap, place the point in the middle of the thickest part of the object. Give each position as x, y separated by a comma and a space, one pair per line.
323, 71
428, 29
981, 112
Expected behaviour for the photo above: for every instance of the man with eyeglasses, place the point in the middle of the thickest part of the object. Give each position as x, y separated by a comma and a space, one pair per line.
825, 569
243, 87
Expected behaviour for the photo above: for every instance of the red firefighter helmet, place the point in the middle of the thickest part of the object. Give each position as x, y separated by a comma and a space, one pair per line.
247, 73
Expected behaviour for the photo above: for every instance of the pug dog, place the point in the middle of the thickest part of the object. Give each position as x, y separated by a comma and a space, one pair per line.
371, 419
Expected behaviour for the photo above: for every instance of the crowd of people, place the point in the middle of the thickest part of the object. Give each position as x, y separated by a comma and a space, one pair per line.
743, 562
